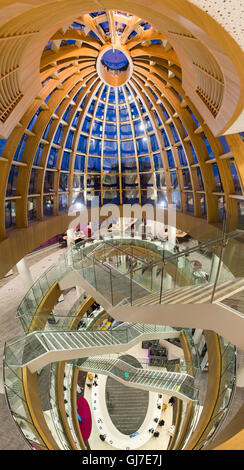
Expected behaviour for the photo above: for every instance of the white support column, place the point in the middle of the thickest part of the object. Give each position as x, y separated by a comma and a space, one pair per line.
25, 273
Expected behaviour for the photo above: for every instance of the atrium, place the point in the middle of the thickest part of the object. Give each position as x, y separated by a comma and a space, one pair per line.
121, 225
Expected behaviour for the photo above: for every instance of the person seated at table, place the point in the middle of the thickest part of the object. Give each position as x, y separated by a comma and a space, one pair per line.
151, 430
164, 407
89, 385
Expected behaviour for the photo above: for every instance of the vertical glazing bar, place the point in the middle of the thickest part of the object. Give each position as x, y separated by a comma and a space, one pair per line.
131, 275
94, 271
162, 278
111, 287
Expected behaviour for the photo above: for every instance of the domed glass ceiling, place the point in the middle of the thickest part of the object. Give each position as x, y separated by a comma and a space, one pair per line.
90, 135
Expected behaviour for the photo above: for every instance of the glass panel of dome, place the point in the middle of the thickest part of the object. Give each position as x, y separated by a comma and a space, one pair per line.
21, 147
158, 163
63, 182
110, 181
34, 119
203, 205
111, 197
174, 132
235, 176
82, 144
97, 129
165, 138
128, 164
100, 111
79, 162
110, 131
93, 181
174, 180
129, 94
162, 198
148, 124
65, 161
32, 208
166, 114
142, 146
86, 125
104, 93
10, 213
58, 135
78, 182
69, 140
142, 108
119, 27
63, 202
12, 180
139, 127
144, 163
49, 182
110, 165
132, 34
111, 113
207, 145
77, 26
48, 205
146, 180
76, 118
193, 116
127, 148
2, 145
123, 113
154, 143
182, 156
45, 134
94, 165
105, 27
130, 197
110, 148
160, 180
96, 13
121, 97
221, 207
111, 97
134, 110
225, 144
33, 181
78, 200
170, 159
159, 122
186, 179
129, 181
67, 113
217, 178
91, 107
37, 159
53, 155
95, 147
125, 131
240, 205
193, 152
200, 181
90, 195
147, 196
176, 199
189, 202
